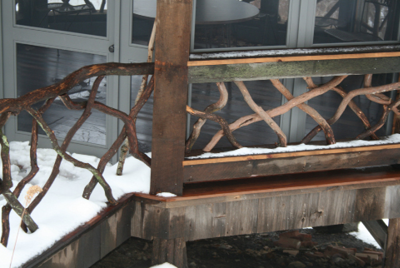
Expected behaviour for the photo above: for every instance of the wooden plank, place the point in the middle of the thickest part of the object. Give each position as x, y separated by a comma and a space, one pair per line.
275, 166
304, 210
200, 219
370, 204
293, 58
295, 69
84, 246
170, 95
392, 256
392, 208
241, 217
172, 251
379, 230
253, 188
289, 154
295, 52
115, 230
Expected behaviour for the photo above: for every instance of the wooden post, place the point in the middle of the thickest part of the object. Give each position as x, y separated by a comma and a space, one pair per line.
392, 256
170, 95
171, 250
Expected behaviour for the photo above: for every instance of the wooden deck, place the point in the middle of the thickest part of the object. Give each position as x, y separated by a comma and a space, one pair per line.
230, 208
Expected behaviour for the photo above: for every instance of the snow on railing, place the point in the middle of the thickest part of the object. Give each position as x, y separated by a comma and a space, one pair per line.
12, 107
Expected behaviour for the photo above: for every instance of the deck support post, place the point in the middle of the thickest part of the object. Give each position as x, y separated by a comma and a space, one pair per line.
170, 95
392, 256
169, 250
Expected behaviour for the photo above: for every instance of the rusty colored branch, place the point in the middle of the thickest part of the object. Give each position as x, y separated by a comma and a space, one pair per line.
382, 121
363, 91
19, 209
353, 106
378, 98
329, 136
66, 142
150, 51
250, 119
113, 149
18, 104
71, 105
375, 128
260, 111
5, 224
224, 125
69, 158
221, 103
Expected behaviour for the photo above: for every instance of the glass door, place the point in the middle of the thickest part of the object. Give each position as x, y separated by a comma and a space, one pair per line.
44, 41
137, 19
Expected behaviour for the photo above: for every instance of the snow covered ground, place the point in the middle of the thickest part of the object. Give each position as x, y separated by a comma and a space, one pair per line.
63, 209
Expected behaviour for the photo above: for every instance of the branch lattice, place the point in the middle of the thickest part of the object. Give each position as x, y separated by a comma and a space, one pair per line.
374, 94
48, 94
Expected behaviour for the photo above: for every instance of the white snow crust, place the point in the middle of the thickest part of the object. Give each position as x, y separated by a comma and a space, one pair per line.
392, 139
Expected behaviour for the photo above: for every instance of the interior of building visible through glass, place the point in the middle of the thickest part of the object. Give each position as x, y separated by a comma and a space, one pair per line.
79, 16
266, 26
338, 21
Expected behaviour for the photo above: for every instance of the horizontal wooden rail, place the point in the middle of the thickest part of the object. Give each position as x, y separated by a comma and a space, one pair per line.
252, 69
294, 58
205, 161
215, 169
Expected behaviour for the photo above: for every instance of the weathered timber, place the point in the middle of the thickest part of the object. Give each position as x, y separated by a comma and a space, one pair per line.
291, 58
392, 256
221, 209
172, 251
90, 242
265, 209
296, 69
325, 51
263, 165
379, 230
170, 95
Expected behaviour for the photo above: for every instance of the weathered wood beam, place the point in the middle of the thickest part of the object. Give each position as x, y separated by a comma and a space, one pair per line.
392, 256
285, 163
378, 229
347, 50
292, 69
170, 95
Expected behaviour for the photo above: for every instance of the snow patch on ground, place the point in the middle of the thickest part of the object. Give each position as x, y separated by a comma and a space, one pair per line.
364, 235
63, 209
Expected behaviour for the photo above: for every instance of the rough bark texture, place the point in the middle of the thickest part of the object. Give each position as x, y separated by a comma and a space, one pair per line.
10, 107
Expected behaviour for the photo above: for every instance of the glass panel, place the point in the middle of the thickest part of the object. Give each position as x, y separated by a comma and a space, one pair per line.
339, 21
262, 92
39, 67
144, 12
227, 23
79, 16
144, 122
349, 125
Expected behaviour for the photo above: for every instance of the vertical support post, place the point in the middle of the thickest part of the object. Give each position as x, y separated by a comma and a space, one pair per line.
392, 256
170, 95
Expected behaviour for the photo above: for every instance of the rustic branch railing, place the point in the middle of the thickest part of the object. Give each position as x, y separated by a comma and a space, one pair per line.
48, 94
9, 107
374, 94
